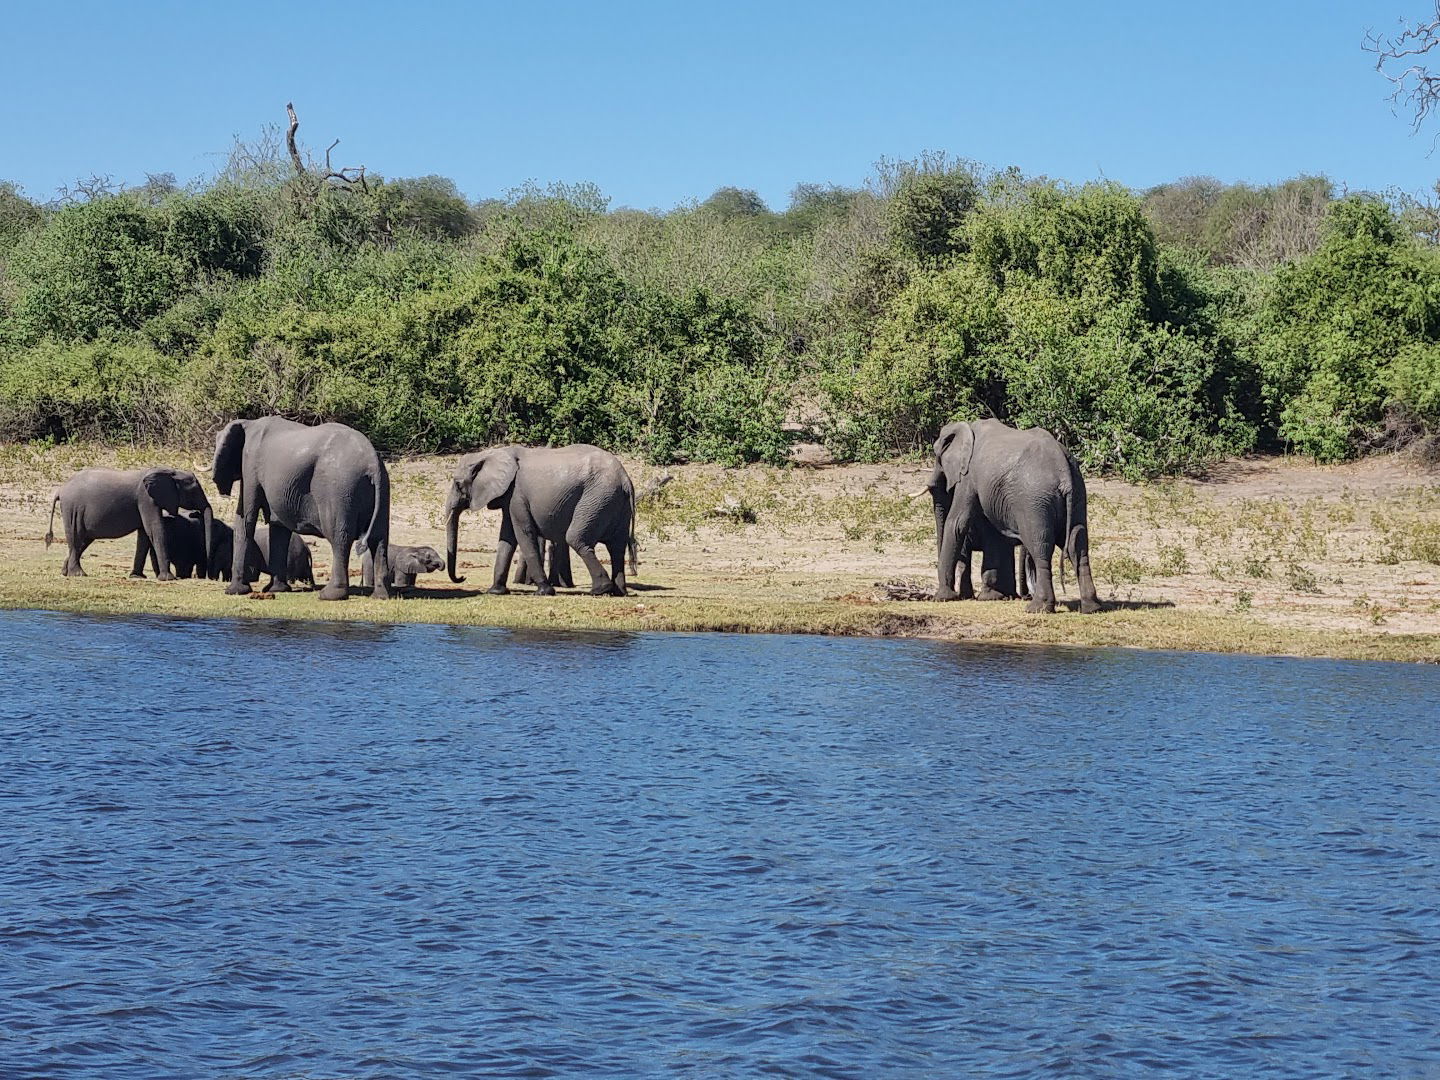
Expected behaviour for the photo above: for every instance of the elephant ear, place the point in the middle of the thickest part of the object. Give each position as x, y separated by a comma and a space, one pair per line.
229, 444
492, 474
953, 451
160, 486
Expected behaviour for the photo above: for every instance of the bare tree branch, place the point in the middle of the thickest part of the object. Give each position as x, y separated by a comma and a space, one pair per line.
1415, 88
290, 140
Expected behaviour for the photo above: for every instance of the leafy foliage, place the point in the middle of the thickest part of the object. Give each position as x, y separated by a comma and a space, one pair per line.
1151, 333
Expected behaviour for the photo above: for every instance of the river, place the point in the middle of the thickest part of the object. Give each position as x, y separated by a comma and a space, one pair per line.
280, 849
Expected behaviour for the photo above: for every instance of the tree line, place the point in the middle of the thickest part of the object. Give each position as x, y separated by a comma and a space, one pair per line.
1151, 331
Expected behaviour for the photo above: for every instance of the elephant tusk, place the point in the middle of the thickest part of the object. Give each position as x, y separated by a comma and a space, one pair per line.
919, 494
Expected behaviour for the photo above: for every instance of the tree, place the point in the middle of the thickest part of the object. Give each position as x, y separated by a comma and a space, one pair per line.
733, 202
18, 215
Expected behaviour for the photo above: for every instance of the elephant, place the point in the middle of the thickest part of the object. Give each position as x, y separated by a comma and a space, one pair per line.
326, 480
104, 504
405, 563
185, 537
578, 495
185, 545
299, 567
996, 485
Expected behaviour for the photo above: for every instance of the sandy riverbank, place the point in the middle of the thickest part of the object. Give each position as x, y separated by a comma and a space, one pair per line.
1266, 556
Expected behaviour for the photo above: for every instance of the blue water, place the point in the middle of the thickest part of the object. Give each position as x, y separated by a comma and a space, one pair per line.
323, 850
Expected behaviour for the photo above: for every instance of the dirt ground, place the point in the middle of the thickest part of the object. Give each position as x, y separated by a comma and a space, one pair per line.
1263, 555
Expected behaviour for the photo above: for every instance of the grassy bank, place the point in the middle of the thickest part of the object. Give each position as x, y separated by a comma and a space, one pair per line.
1265, 557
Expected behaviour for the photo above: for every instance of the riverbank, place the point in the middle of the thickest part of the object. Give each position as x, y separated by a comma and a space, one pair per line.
1267, 556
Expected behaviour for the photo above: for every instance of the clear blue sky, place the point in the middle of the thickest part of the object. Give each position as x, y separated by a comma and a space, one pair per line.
658, 103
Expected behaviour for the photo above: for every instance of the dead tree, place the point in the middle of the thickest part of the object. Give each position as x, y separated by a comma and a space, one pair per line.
345, 178
1400, 60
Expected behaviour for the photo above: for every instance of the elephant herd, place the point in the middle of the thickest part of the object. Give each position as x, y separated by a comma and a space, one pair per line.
1006, 492
328, 481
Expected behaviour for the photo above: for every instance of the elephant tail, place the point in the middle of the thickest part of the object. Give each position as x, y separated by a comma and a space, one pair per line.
377, 535
631, 547
50, 532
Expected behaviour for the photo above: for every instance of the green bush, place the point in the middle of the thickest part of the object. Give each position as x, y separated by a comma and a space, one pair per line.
708, 333
1348, 330
95, 269
93, 390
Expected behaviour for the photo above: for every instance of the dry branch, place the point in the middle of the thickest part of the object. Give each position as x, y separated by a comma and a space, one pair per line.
290, 139
900, 589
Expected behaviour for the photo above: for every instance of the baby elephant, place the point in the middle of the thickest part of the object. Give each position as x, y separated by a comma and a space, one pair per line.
300, 569
405, 562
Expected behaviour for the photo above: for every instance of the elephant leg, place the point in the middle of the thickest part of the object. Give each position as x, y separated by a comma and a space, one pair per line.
76, 542
504, 553
142, 551
954, 537
560, 575
1080, 545
278, 559
1024, 573
617, 564
151, 541
1043, 598
601, 583
530, 546
243, 538
966, 588
997, 567
338, 587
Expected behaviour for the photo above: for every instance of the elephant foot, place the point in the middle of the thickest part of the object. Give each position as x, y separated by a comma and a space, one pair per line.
275, 585
606, 588
497, 590
1041, 607
1089, 606
335, 591
73, 572
382, 593
987, 593
166, 576
140, 576
545, 589
238, 588
946, 594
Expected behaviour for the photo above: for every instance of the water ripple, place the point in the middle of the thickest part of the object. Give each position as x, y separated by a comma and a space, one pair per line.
232, 849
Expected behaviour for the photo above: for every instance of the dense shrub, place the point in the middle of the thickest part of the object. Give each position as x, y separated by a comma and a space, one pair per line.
93, 390
1349, 330
1151, 333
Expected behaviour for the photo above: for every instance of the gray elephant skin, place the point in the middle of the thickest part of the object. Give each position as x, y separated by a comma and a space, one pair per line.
405, 562
994, 486
185, 538
557, 556
575, 495
326, 480
105, 504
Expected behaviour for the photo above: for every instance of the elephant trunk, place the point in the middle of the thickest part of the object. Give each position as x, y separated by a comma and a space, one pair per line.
452, 535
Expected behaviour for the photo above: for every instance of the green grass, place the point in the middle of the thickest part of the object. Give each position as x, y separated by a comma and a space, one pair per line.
773, 603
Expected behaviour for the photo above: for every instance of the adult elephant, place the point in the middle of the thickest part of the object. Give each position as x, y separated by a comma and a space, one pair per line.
325, 480
575, 495
997, 483
105, 504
